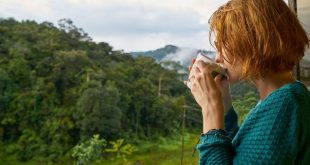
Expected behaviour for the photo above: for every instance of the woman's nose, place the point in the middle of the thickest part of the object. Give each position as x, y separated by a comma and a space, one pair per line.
218, 59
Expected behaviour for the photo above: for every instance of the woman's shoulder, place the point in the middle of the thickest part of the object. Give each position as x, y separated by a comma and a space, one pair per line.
280, 110
294, 93
289, 100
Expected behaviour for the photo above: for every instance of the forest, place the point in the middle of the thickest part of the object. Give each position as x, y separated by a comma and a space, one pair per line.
65, 98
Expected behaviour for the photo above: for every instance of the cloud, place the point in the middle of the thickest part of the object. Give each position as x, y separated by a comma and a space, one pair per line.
132, 25
130, 19
142, 42
143, 24
22, 10
183, 55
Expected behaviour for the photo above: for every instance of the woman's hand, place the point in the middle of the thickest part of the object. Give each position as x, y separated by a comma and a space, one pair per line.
223, 85
211, 94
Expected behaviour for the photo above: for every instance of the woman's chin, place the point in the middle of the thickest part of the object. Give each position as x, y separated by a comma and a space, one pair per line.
233, 80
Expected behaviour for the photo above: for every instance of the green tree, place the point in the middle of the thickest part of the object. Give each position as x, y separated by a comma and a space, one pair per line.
244, 104
97, 111
120, 148
88, 151
58, 88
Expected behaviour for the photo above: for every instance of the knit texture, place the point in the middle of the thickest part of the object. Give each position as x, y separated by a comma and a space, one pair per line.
276, 131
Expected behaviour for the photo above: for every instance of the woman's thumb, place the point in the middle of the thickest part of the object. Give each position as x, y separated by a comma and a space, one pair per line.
221, 81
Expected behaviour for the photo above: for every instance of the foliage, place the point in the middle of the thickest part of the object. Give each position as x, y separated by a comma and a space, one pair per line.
59, 88
243, 104
88, 151
120, 148
166, 151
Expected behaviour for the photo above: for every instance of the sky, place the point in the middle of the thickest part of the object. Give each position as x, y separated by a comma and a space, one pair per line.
132, 25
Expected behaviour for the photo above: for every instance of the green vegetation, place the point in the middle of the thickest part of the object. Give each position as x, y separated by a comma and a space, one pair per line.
166, 151
88, 151
65, 99
243, 104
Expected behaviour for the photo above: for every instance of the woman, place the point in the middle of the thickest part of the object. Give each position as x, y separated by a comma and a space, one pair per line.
260, 41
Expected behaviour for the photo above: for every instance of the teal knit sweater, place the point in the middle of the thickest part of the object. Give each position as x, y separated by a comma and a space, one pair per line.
276, 131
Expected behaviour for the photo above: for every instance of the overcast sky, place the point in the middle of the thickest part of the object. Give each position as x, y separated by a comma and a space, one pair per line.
132, 25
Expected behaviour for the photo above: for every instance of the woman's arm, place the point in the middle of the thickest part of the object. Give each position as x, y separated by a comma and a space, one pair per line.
267, 136
215, 148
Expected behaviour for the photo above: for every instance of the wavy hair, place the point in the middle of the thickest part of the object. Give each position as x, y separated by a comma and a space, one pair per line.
263, 35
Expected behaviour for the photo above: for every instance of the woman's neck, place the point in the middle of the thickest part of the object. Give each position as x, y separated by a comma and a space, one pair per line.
271, 83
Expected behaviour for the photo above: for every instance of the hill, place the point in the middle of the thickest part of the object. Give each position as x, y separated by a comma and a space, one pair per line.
159, 53
59, 88
172, 53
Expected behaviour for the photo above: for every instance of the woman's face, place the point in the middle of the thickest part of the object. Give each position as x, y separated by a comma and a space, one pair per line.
233, 72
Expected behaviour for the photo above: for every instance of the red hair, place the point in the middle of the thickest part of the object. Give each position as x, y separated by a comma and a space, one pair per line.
263, 35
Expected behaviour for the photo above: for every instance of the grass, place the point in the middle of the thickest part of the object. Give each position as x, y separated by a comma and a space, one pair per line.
167, 151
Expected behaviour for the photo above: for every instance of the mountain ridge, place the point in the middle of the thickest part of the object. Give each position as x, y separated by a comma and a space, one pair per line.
172, 53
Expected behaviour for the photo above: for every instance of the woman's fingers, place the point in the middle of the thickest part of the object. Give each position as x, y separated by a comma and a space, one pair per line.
209, 82
203, 66
200, 80
190, 68
193, 60
218, 79
196, 70
191, 78
185, 82
221, 81
205, 69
